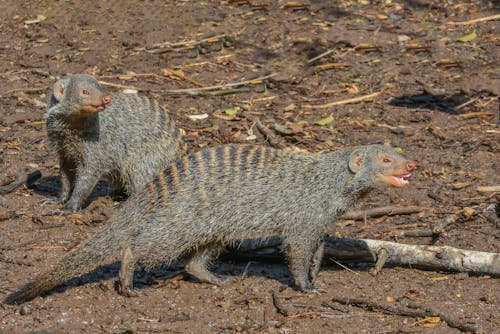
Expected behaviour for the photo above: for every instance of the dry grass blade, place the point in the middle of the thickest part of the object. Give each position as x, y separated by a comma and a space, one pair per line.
338, 103
482, 19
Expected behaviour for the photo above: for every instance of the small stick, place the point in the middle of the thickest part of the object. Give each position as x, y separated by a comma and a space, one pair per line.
381, 211
346, 268
233, 84
25, 90
489, 189
404, 311
467, 103
186, 43
183, 77
476, 114
338, 103
278, 305
27, 179
269, 135
324, 54
129, 76
49, 247
110, 84
382, 256
482, 19
214, 93
245, 271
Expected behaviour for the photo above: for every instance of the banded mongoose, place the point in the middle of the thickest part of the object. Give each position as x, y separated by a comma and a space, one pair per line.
214, 197
123, 138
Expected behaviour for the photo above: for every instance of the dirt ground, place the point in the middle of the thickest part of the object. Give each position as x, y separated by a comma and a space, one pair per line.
436, 89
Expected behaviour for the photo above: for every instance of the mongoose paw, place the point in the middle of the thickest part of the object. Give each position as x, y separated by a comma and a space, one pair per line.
128, 292
72, 207
222, 280
314, 289
57, 212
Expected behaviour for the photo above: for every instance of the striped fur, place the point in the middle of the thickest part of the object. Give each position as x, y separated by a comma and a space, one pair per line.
127, 143
215, 197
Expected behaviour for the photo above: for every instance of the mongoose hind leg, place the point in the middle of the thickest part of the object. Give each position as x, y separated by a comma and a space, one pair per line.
197, 263
126, 274
316, 262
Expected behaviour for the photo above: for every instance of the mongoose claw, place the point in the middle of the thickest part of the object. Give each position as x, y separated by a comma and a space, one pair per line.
72, 207
128, 292
56, 212
314, 289
222, 280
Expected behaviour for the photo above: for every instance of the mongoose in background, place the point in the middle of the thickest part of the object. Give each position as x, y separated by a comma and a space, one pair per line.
123, 138
214, 197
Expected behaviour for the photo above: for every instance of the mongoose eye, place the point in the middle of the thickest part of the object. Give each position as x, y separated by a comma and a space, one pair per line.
85, 92
387, 160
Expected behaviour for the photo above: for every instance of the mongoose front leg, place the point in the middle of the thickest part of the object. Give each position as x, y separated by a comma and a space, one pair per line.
301, 250
197, 263
126, 274
316, 262
85, 183
67, 175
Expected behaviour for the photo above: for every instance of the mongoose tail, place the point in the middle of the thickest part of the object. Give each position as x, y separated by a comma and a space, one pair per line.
78, 261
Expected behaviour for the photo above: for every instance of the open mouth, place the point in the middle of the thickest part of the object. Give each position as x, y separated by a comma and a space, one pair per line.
91, 108
400, 181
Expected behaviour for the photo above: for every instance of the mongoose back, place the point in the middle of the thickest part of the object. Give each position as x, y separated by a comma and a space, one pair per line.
217, 196
123, 138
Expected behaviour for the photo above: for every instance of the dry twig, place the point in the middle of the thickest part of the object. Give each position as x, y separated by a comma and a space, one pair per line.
389, 210
405, 311
338, 103
482, 19
218, 87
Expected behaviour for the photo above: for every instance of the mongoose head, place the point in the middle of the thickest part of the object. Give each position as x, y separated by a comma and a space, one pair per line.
81, 94
381, 165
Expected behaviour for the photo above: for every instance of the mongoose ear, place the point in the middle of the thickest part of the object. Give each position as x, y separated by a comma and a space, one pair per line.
59, 88
355, 161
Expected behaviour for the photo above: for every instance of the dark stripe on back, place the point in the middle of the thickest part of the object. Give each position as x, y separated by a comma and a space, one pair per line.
196, 170
159, 188
241, 167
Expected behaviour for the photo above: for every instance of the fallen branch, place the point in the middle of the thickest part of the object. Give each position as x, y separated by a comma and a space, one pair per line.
365, 250
482, 19
405, 311
338, 103
381, 211
422, 256
218, 87
27, 179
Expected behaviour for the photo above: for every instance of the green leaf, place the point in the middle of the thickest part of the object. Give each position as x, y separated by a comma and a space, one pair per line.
282, 129
467, 38
325, 121
231, 111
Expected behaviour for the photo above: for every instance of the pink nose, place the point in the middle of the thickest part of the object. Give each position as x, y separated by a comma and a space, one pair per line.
411, 166
106, 99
